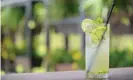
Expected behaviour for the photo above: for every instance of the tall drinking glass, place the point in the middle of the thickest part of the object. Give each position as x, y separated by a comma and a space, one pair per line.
97, 56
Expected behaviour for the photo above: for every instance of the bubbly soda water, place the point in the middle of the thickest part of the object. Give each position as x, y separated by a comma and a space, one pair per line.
97, 58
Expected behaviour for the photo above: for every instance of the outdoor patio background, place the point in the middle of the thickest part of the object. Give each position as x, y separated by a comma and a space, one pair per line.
45, 35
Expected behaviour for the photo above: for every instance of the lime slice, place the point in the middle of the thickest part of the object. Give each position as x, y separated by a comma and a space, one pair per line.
94, 28
88, 25
97, 33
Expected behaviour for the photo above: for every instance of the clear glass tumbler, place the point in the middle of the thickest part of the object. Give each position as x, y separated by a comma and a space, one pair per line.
97, 58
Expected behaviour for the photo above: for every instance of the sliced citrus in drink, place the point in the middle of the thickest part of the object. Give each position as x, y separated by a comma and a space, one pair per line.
95, 30
97, 33
88, 25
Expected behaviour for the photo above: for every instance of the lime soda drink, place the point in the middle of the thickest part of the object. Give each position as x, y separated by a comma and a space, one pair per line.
97, 49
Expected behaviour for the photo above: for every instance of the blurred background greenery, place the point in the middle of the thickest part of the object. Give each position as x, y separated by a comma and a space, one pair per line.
31, 42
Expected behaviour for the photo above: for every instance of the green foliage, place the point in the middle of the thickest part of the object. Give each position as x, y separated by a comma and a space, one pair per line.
81, 62
61, 56
56, 40
119, 42
11, 16
40, 12
74, 41
20, 44
8, 49
93, 8
19, 68
2, 72
125, 21
31, 24
39, 45
120, 5
123, 4
121, 58
71, 8
38, 69
56, 7
121, 54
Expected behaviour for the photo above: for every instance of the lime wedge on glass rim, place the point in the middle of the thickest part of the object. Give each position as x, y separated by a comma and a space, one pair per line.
88, 25
94, 30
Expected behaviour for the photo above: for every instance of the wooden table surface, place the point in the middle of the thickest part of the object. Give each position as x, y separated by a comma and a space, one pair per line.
115, 74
